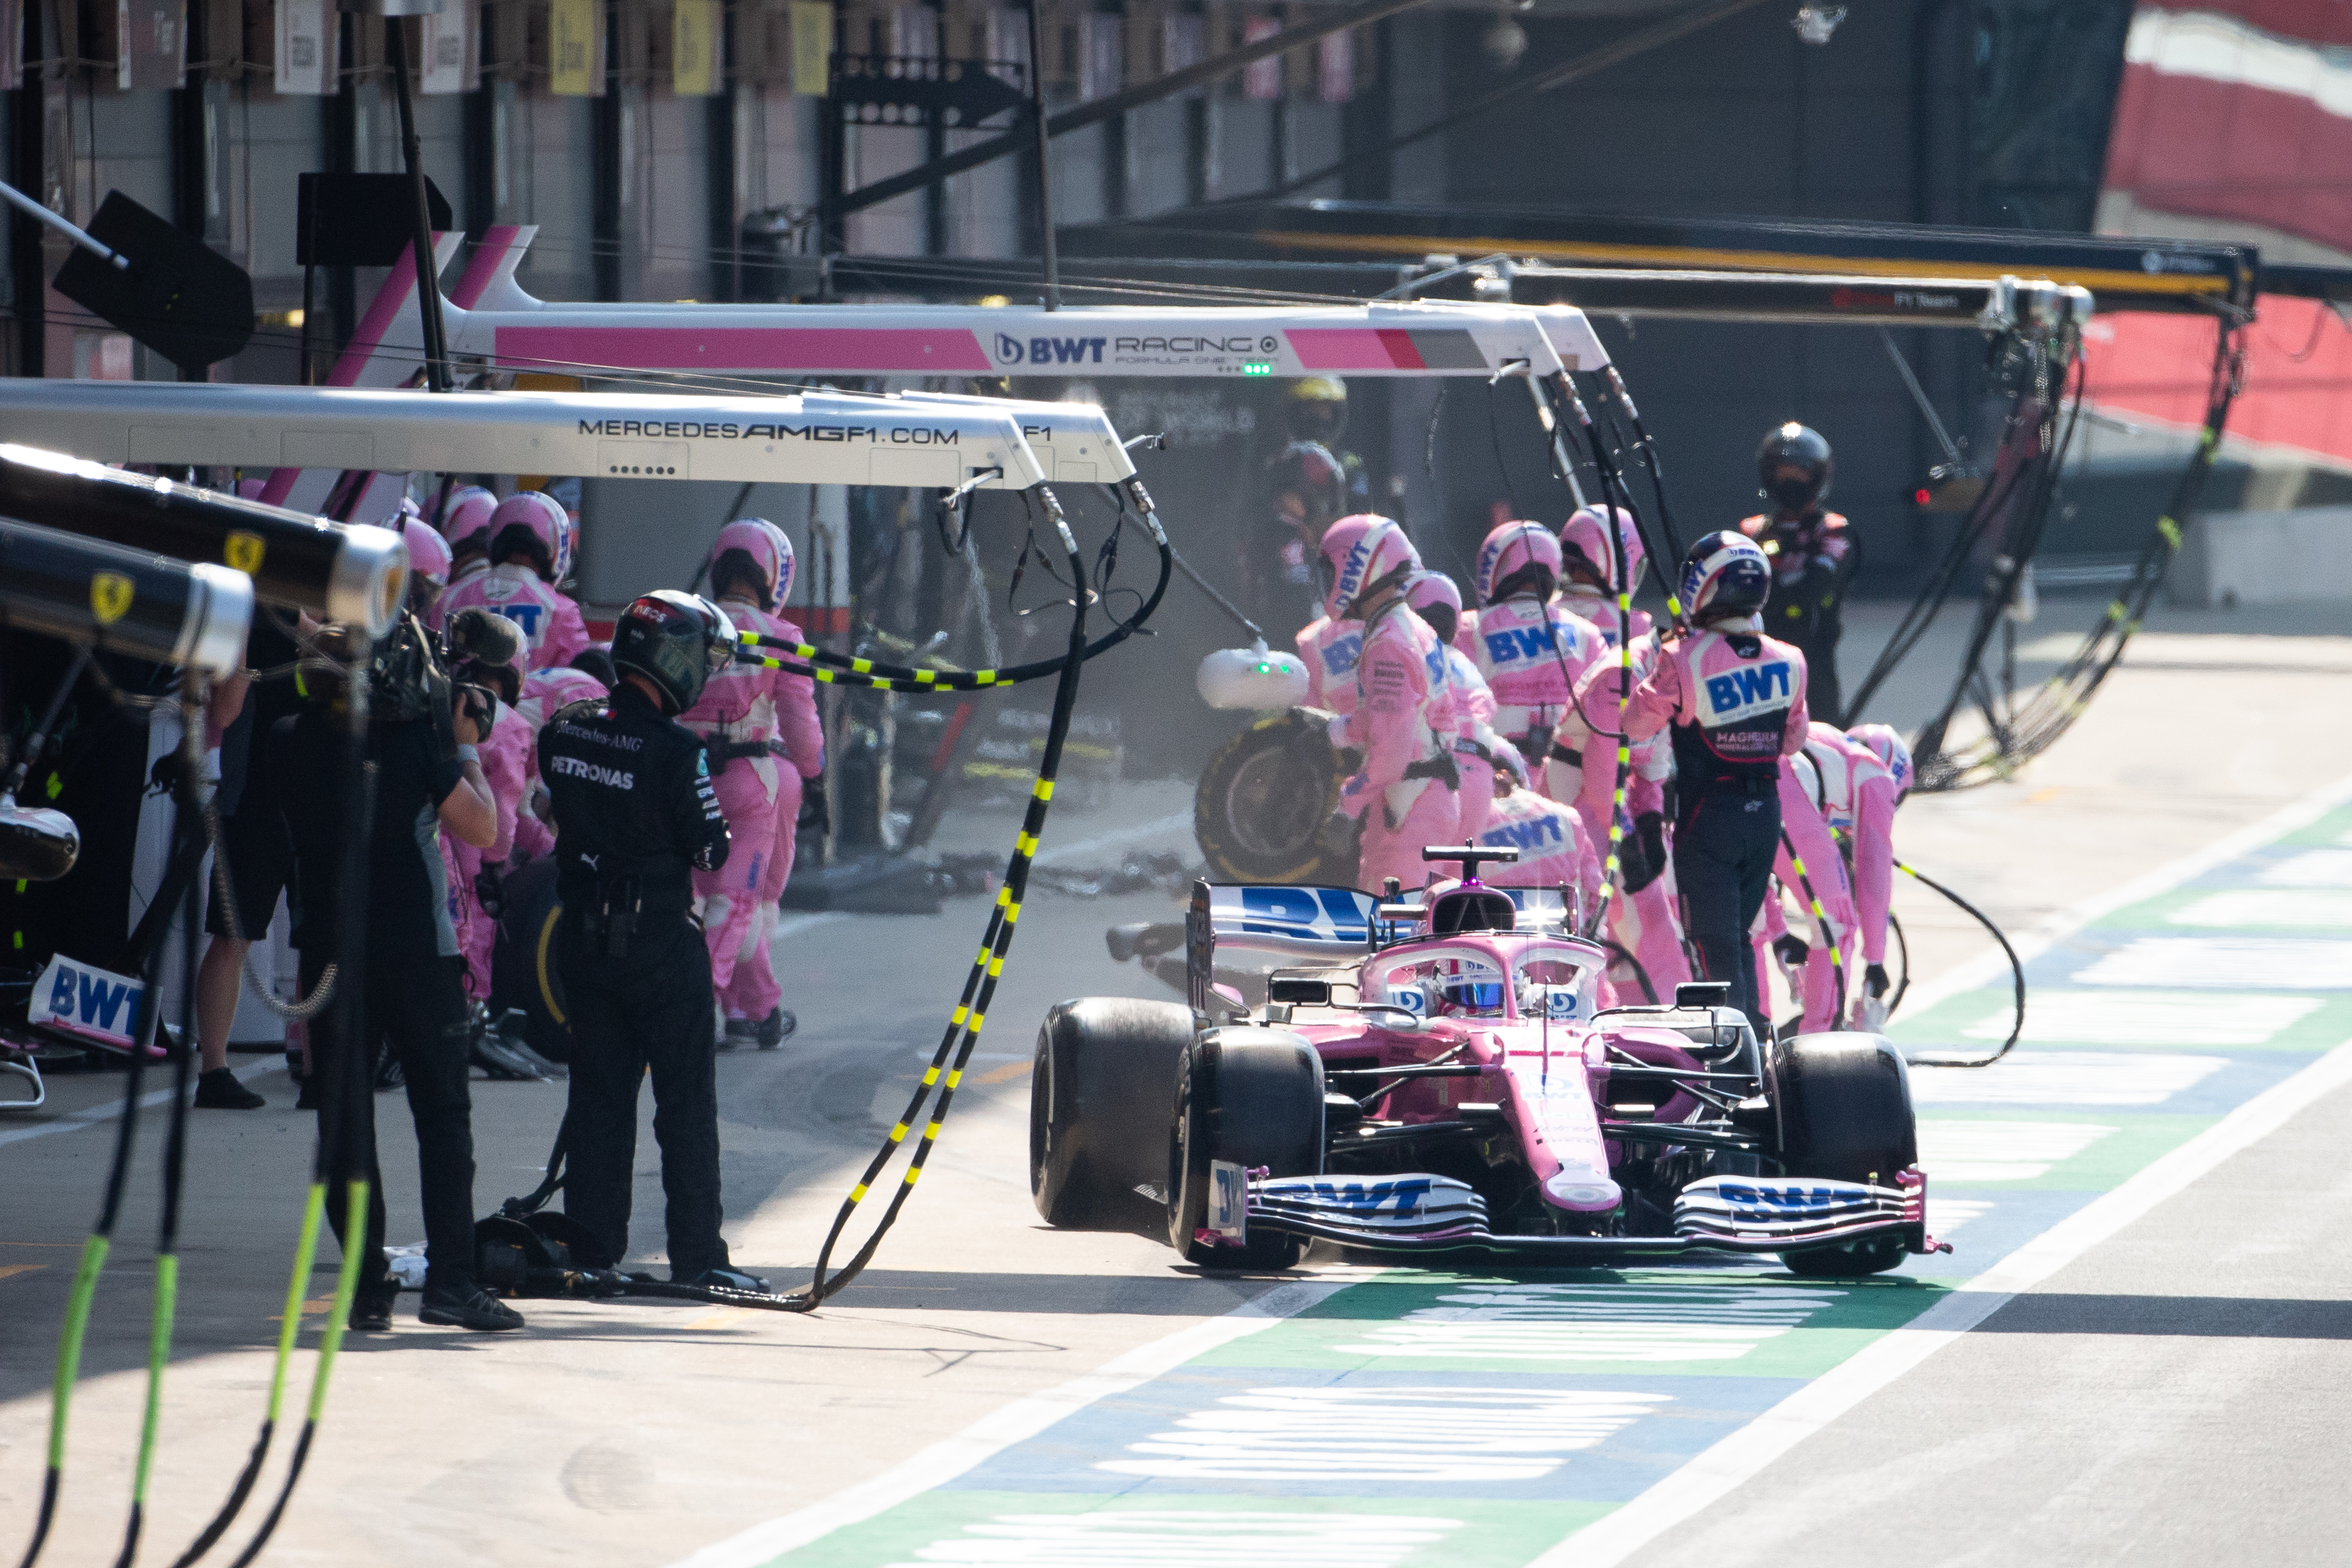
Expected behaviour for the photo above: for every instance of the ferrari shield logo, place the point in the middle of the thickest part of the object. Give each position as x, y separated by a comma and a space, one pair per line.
243, 551
109, 597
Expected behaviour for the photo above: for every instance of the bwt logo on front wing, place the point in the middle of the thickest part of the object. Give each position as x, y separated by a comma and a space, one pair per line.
682, 429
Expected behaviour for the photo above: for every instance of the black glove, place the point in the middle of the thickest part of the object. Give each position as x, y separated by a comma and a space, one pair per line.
816, 811
1792, 948
1650, 832
1874, 981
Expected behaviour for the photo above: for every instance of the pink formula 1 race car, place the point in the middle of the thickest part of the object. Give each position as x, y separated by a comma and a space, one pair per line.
1436, 1077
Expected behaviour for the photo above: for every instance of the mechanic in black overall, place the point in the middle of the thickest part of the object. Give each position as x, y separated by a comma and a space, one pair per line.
1735, 699
636, 815
1814, 555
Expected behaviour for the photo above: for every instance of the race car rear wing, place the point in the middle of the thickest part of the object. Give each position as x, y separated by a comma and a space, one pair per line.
1261, 928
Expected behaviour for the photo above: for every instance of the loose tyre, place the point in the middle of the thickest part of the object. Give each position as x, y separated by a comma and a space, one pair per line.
523, 969
1843, 1104
1263, 807
1254, 1097
1098, 1110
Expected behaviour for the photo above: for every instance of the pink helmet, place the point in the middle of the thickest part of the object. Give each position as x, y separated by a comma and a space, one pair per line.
466, 518
529, 520
428, 553
1436, 600
1509, 547
1360, 554
561, 685
1584, 541
770, 551
1888, 747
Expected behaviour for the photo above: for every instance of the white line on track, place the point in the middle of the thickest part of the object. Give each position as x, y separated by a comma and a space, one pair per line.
1023, 1419
113, 1108
1968, 976
1101, 841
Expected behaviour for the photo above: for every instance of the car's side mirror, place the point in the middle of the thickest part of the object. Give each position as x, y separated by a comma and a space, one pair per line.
1298, 991
1701, 995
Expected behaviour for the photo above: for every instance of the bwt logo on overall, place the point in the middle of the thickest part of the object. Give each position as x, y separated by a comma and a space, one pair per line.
1519, 642
1739, 689
1011, 350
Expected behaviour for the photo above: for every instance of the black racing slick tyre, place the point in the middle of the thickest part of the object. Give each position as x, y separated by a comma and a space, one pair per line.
1264, 804
1099, 1110
524, 971
1844, 1106
1254, 1097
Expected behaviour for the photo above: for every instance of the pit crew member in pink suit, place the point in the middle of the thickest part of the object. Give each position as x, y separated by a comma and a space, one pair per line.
465, 526
1477, 749
1734, 702
1805, 835
1407, 792
1554, 850
764, 739
545, 691
1529, 651
528, 539
1865, 774
486, 649
1641, 914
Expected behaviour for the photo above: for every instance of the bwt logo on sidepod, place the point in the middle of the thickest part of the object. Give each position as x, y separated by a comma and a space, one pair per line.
1011, 350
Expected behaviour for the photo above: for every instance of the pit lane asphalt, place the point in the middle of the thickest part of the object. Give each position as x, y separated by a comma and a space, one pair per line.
2168, 1395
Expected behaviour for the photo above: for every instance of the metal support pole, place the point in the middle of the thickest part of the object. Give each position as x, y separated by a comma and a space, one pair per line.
1037, 148
428, 281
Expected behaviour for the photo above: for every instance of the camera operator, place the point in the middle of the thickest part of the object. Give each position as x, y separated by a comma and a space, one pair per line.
636, 815
412, 993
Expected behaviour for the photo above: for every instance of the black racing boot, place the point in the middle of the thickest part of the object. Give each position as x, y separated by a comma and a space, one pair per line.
467, 1306
774, 1029
220, 1090
739, 1031
371, 1306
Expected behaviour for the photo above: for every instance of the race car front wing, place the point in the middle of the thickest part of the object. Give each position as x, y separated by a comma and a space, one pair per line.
1421, 1213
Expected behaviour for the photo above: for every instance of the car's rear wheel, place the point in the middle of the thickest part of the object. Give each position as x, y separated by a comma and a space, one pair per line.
1844, 1105
1254, 1097
1264, 802
1098, 1110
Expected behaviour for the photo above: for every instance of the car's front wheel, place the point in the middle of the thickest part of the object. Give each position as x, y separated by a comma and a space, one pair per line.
1844, 1105
1099, 1108
1253, 1097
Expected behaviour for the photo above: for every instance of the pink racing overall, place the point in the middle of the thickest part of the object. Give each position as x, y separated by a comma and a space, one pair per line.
1329, 650
762, 731
1407, 790
505, 753
1530, 654
1582, 768
1808, 856
1553, 849
1858, 796
551, 623
753, 991
545, 691
1734, 702
1478, 751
